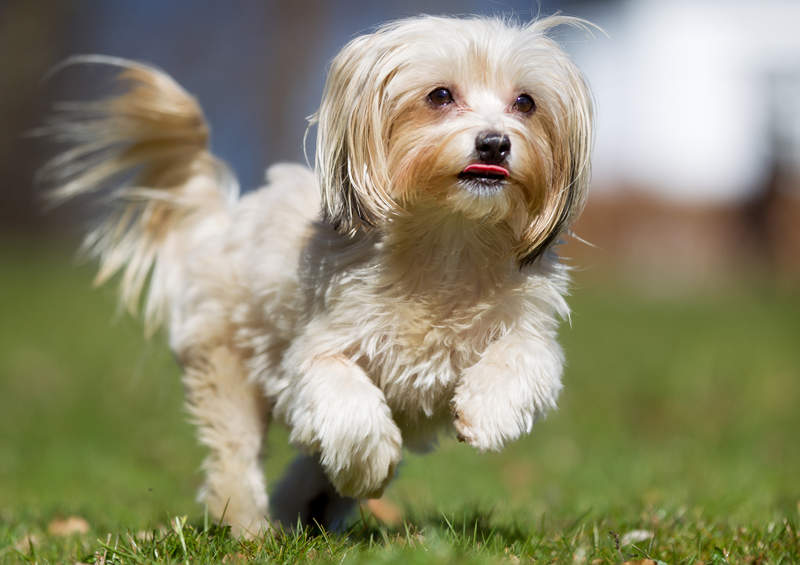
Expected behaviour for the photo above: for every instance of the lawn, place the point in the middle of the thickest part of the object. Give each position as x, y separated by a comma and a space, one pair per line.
676, 440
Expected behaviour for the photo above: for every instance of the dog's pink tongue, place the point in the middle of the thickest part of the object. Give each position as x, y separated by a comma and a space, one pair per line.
482, 169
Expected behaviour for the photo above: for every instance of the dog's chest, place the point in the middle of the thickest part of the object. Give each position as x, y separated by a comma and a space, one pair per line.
416, 351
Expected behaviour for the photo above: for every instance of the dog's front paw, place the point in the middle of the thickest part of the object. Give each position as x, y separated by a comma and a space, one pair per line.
488, 414
339, 414
499, 398
361, 459
484, 430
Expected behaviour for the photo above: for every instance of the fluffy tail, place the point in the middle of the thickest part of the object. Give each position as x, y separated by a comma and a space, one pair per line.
149, 147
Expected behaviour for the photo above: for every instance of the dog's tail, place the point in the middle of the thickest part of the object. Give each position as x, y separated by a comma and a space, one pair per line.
149, 147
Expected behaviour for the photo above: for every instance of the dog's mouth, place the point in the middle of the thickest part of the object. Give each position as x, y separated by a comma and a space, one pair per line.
484, 175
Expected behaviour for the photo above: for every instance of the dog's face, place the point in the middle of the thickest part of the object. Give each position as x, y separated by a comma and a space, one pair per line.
477, 117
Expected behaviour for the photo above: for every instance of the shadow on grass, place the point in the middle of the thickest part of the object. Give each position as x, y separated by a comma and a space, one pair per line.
472, 530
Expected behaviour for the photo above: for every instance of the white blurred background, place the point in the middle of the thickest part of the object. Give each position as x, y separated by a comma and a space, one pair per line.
697, 98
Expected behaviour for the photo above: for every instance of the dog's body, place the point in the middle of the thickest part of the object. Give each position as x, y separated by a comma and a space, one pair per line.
426, 294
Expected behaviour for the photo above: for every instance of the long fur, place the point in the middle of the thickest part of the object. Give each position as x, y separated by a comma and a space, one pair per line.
369, 306
154, 137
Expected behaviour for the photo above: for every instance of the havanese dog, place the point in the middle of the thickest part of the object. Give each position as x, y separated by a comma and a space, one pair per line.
408, 285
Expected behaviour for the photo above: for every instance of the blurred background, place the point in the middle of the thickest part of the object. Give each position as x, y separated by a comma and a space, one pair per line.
698, 129
683, 348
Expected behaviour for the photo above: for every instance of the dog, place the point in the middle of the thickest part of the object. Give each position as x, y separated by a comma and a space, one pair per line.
408, 285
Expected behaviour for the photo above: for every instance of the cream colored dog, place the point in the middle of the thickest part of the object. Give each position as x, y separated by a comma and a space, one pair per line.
409, 286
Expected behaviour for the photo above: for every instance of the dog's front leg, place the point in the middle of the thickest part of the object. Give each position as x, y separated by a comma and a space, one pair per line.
335, 410
516, 381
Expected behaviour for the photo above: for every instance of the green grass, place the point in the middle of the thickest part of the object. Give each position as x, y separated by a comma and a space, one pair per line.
679, 418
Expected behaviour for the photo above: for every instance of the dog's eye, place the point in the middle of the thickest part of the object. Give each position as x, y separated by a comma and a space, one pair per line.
524, 104
440, 97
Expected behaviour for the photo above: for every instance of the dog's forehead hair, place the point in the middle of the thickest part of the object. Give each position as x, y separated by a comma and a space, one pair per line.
485, 62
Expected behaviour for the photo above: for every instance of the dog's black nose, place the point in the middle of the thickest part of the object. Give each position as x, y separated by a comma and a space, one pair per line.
492, 147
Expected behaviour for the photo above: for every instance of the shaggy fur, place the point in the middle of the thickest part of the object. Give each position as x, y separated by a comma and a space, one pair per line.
370, 305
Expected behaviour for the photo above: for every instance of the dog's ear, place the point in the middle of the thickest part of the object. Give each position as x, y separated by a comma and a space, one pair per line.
351, 157
567, 117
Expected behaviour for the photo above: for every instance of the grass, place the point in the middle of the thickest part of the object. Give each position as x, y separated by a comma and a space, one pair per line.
679, 421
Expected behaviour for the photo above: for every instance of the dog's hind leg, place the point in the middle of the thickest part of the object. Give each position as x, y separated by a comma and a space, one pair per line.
231, 414
305, 494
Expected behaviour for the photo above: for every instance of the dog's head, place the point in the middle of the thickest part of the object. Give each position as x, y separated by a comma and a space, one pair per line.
473, 116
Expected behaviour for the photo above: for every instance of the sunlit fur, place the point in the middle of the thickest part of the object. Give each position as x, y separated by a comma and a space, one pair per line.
400, 303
